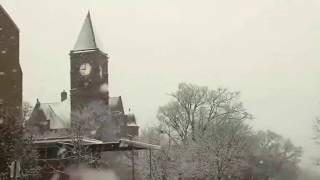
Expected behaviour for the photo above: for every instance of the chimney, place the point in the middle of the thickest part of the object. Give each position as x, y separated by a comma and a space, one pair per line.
64, 95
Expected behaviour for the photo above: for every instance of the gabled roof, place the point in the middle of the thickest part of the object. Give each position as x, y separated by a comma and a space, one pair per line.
86, 39
58, 113
131, 120
115, 104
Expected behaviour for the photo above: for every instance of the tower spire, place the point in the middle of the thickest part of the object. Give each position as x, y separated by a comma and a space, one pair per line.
86, 39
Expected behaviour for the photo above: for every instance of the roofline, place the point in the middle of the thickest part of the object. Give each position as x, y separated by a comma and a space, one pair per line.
88, 50
83, 50
90, 22
89, 141
140, 144
7, 14
66, 139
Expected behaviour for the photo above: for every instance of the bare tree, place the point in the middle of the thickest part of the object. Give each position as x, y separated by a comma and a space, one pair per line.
274, 156
92, 121
194, 108
219, 153
161, 162
212, 140
26, 110
208, 130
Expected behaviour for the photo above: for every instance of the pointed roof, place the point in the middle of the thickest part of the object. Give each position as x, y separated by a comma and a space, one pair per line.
4, 12
57, 113
86, 39
115, 104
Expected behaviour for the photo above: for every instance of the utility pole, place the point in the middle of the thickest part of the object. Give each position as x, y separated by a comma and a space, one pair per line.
150, 163
133, 178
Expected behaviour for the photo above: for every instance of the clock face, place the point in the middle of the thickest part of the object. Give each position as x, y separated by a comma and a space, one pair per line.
85, 69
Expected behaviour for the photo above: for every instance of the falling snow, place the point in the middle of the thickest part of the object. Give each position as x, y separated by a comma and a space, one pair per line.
104, 88
44, 123
61, 151
93, 132
100, 71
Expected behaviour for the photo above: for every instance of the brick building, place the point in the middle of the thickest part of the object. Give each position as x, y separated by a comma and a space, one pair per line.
89, 91
108, 127
10, 70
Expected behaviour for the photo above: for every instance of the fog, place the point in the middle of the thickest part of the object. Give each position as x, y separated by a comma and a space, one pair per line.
86, 173
267, 50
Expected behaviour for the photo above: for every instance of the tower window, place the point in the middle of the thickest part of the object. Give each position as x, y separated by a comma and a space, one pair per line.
100, 71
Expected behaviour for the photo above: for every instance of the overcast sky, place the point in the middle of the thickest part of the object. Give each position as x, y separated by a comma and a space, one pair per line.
267, 49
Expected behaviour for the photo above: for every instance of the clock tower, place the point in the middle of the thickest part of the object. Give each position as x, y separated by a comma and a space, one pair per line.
88, 69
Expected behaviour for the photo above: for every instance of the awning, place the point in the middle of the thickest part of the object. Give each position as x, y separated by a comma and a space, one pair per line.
96, 145
123, 145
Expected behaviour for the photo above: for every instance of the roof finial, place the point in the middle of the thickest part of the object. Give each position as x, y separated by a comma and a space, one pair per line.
38, 103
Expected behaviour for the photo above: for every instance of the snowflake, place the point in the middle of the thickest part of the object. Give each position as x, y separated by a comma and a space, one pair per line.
93, 132
44, 123
61, 151
104, 88
3, 52
100, 71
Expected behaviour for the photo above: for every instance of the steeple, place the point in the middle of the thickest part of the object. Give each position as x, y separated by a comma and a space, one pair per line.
86, 39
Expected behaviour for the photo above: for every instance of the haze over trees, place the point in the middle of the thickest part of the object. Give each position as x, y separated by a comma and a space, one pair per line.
205, 135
